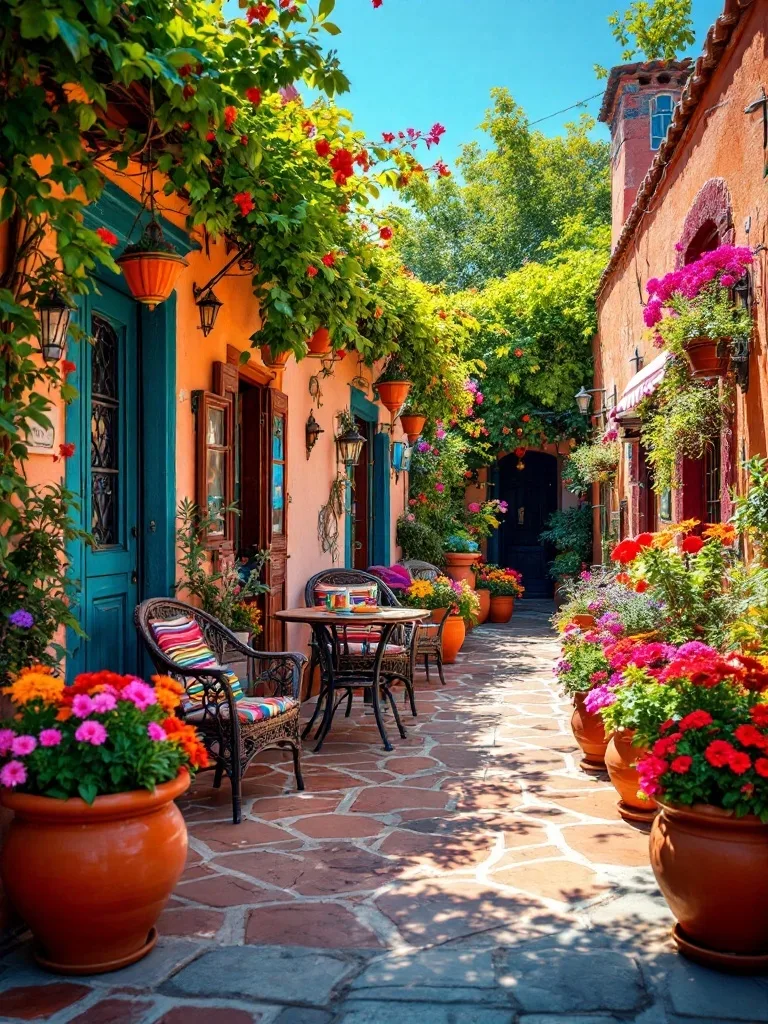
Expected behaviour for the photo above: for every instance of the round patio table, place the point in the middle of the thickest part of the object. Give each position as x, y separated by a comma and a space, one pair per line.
326, 626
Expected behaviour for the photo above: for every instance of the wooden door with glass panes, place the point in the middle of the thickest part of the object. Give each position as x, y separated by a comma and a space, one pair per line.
275, 517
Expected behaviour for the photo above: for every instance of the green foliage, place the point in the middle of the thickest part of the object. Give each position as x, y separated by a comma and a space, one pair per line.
711, 314
652, 30
641, 704
592, 462
569, 530
579, 663
419, 541
750, 511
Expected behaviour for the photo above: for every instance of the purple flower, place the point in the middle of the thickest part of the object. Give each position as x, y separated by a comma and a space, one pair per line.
82, 705
652, 313
22, 619
422, 446
50, 738
23, 745
91, 732
503, 507
600, 697
156, 732
696, 649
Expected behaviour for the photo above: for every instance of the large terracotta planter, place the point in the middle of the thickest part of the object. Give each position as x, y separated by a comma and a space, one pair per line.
709, 357
501, 609
91, 881
393, 393
458, 565
484, 597
151, 276
319, 344
413, 424
712, 869
621, 758
274, 362
454, 634
588, 729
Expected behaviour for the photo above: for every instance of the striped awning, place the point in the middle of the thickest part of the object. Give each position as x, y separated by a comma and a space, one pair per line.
643, 383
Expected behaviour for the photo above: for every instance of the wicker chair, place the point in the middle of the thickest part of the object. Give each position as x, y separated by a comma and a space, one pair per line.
421, 570
231, 741
429, 636
398, 666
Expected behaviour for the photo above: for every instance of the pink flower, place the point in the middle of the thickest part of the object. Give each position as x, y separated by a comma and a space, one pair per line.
13, 774
7, 736
440, 434
91, 732
474, 506
156, 732
50, 738
439, 488
23, 745
652, 313
82, 705
104, 702
139, 694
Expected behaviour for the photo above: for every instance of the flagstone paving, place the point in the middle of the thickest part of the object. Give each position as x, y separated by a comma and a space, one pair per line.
472, 876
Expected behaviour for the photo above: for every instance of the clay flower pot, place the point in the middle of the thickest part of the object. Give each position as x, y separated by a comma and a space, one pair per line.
393, 393
712, 869
319, 344
620, 760
91, 881
413, 424
484, 597
501, 609
588, 729
274, 362
151, 276
454, 634
458, 565
709, 357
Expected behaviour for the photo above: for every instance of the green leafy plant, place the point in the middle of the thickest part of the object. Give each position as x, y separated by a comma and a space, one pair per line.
460, 542
151, 240
593, 462
750, 510
418, 540
580, 664
394, 370
569, 530
655, 29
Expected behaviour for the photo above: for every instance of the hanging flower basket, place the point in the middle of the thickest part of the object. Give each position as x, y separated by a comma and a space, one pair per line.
151, 267
413, 424
276, 361
393, 393
319, 344
709, 357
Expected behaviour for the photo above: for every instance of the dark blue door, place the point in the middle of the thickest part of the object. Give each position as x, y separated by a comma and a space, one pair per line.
106, 421
531, 494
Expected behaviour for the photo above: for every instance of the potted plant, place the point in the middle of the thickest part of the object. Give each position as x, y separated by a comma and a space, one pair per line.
594, 461
582, 667
503, 586
692, 312
319, 344
750, 510
393, 384
412, 421
275, 359
569, 531
438, 595
151, 266
480, 567
96, 844
460, 552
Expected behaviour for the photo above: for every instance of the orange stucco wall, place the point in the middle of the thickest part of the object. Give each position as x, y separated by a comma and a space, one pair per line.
720, 142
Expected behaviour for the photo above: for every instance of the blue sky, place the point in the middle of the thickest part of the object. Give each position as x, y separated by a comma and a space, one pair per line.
414, 62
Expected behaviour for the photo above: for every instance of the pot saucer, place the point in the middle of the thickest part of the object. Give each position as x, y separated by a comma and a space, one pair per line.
732, 963
99, 968
591, 767
636, 813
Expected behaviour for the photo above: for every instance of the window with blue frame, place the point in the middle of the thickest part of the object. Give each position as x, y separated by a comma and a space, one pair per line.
662, 108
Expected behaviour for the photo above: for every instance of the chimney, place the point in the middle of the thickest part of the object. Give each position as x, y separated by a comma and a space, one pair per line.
638, 105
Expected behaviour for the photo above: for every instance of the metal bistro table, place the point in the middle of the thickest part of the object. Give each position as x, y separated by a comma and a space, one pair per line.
328, 629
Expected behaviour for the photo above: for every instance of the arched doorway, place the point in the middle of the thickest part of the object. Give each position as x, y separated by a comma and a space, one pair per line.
531, 494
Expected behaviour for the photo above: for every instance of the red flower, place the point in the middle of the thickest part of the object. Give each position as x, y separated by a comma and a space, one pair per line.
750, 672
377, 3
230, 116
526, 418
386, 233
343, 164
641, 586
749, 736
692, 545
667, 744
695, 720
259, 12
210, 136
185, 70
739, 763
623, 577
719, 753
388, 137
681, 764
626, 551
67, 367
761, 766
66, 451
185, 126
645, 540
311, 271
253, 95
442, 169
329, 259
322, 147
759, 714
519, 353
188, 91
244, 200
667, 725
108, 237
243, 140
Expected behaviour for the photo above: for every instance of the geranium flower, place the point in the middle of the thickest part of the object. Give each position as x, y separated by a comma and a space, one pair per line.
91, 732
761, 767
626, 551
739, 763
13, 774
695, 720
681, 765
108, 237
253, 95
750, 736
692, 545
719, 753
759, 714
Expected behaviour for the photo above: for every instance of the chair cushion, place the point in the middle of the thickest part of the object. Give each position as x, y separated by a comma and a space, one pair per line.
181, 640
371, 648
250, 709
360, 593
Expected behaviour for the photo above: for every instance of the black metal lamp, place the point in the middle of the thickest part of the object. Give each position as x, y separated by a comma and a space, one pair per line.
53, 312
583, 400
312, 432
350, 446
208, 306
742, 293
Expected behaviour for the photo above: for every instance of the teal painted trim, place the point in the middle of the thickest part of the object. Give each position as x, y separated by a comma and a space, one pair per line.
367, 411
75, 422
116, 210
348, 525
363, 407
381, 501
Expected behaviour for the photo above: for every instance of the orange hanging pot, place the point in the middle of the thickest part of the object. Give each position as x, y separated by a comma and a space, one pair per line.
90, 880
413, 424
454, 634
151, 276
708, 357
277, 361
320, 343
393, 393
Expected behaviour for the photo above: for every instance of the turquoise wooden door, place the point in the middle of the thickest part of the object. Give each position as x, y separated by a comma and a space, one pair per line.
108, 448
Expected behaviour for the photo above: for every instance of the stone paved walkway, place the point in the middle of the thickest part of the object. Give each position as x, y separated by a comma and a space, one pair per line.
473, 876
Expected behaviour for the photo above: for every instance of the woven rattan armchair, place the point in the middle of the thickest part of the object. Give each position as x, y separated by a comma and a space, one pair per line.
421, 570
231, 741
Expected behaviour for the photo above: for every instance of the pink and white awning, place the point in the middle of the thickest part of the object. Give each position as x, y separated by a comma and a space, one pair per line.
643, 383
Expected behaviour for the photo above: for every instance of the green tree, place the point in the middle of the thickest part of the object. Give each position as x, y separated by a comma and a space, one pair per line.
656, 30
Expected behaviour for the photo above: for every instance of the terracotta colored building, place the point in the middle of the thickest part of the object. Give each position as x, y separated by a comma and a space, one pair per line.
689, 157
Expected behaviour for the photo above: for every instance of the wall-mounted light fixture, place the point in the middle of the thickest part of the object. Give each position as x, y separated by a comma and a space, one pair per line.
312, 432
400, 457
207, 303
350, 446
740, 346
583, 400
54, 313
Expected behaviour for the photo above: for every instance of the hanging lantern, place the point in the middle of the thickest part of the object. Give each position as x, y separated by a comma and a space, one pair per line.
54, 313
583, 400
521, 464
350, 446
208, 306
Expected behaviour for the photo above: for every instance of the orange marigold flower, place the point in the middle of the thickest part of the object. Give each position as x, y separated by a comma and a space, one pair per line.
36, 683
724, 532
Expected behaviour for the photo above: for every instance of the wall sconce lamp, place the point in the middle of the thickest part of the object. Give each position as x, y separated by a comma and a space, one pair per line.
206, 301
742, 292
312, 432
401, 455
54, 313
350, 446
583, 400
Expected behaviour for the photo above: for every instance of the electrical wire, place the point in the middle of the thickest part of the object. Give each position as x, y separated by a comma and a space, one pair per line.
573, 106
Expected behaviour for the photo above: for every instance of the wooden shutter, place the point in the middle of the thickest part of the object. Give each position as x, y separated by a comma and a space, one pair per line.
214, 426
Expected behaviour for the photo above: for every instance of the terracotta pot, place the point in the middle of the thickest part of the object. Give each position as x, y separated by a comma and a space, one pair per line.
709, 357
454, 634
501, 609
151, 276
393, 393
276, 362
91, 881
620, 760
320, 343
583, 621
413, 424
485, 605
712, 869
458, 565
588, 729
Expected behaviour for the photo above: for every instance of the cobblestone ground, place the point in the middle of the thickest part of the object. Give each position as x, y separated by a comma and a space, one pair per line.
473, 876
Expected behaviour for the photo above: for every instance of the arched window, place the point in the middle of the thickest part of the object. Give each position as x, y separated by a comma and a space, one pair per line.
662, 107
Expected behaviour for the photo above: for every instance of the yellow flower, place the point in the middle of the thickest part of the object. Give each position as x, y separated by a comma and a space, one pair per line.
35, 683
420, 588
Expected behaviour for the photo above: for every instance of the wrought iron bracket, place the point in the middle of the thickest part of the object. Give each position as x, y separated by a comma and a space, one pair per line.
740, 361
